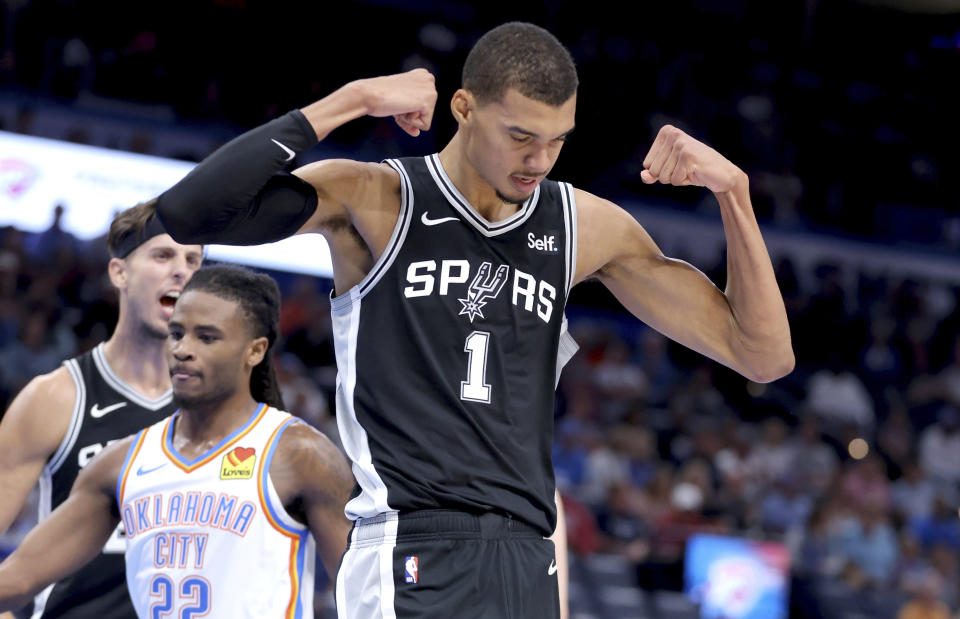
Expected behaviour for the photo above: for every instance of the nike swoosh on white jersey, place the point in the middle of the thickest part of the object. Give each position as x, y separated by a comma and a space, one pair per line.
140, 470
96, 412
552, 569
286, 149
432, 222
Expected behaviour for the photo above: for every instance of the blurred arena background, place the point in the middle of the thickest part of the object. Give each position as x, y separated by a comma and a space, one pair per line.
690, 492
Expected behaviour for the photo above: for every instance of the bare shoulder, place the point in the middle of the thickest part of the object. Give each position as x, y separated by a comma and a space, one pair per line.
606, 233
329, 174
346, 188
307, 463
39, 416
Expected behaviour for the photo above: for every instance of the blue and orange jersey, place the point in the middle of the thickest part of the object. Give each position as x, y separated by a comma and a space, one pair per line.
209, 536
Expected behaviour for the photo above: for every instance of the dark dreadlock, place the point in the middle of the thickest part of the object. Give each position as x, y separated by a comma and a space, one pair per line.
259, 300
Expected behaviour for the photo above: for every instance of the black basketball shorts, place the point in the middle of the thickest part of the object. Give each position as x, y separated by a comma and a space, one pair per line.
439, 564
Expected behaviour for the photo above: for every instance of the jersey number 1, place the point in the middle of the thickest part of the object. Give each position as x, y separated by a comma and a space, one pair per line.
475, 388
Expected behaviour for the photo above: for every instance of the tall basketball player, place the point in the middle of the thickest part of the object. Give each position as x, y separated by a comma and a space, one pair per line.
61, 420
225, 502
452, 272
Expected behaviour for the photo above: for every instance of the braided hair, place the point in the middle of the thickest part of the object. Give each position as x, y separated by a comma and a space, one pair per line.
259, 299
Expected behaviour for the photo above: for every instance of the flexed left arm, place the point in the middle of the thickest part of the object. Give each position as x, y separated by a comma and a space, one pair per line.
745, 326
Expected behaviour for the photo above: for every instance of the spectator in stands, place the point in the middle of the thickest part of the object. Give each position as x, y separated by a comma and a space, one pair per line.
9, 303
925, 603
302, 394
839, 397
940, 447
912, 564
54, 246
661, 374
865, 483
636, 448
880, 359
941, 526
813, 460
627, 534
945, 561
913, 494
618, 380
39, 348
896, 439
771, 459
818, 554
939, 386
873, 545
784, 507
570, 450
604, 467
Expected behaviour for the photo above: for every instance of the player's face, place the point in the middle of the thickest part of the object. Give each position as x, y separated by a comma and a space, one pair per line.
153, 276
515, 142
210, 350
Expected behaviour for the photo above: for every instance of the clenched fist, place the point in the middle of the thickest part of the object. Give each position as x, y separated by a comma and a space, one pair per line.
409, 97
677, 159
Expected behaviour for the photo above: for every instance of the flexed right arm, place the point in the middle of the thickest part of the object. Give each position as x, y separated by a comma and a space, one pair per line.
240, 195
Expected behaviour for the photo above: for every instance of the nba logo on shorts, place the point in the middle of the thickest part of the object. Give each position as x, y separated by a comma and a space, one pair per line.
411, 570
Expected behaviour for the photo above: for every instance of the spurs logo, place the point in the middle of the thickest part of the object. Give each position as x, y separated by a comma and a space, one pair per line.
426, 278
483, 288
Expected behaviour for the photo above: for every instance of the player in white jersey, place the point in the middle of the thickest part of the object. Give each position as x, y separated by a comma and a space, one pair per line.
182, 516
225, 501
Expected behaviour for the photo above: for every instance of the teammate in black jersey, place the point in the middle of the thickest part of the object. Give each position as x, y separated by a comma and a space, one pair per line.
451, 275
61, 420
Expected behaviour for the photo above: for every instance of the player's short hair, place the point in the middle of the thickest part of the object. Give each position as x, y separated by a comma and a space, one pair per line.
259, 300
524, 57
130, 226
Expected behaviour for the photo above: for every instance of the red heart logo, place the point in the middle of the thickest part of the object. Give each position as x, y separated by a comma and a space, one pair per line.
243, 453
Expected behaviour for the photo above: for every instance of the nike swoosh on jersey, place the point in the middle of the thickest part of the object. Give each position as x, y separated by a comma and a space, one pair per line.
140, 470
286, 149
552, 569
432, 222
96, 412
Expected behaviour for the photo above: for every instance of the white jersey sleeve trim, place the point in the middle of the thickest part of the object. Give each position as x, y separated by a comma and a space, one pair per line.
566, 348
110, 377
570, 226
76, 419
372, 499
276, 512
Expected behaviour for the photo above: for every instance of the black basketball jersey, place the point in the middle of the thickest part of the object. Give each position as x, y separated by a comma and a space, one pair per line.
448, 353
106, 409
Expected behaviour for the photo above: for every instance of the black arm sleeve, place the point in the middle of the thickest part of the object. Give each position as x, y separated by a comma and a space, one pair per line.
239, 195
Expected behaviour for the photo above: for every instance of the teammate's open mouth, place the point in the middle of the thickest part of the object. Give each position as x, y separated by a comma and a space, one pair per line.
168, 300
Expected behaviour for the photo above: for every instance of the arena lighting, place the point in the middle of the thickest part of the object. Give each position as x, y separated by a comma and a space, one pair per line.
858, 449
92, 184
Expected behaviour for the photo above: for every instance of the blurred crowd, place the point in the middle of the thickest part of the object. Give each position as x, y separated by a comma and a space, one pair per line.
835, 109
853, 460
